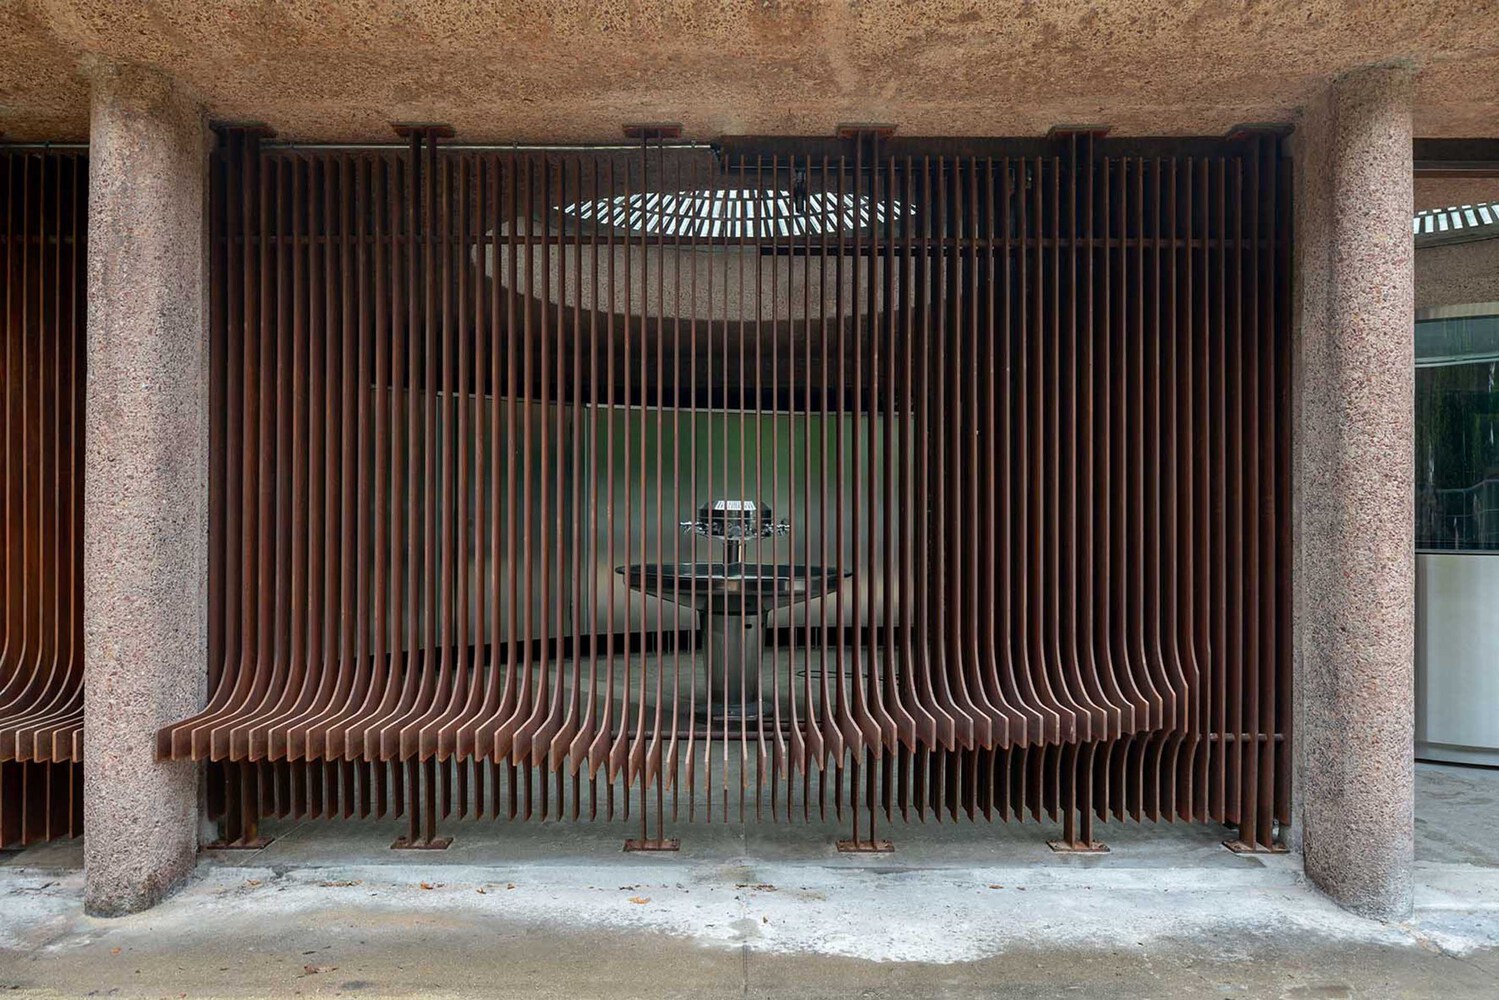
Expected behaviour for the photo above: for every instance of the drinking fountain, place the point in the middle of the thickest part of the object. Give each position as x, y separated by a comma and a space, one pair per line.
734, 599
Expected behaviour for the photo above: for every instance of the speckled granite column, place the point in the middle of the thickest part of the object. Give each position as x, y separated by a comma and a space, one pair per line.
1354, 548
146, 493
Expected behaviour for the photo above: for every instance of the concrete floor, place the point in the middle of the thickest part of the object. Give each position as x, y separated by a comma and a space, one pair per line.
557, 910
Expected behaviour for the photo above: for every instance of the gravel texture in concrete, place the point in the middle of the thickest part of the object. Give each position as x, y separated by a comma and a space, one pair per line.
1353, 472
145, 551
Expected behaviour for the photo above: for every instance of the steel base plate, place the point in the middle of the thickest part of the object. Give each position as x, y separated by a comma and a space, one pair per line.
1239, 847
435, 844
664, 844
1078, 847
253, 844
865, 846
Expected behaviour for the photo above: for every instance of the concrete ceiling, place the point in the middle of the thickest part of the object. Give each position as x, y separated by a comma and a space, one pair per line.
576, 70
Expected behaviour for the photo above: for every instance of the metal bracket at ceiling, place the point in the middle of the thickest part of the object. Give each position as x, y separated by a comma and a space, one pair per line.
1251, 130
1068, 131
647, 131
864, 130
256, 128
430, 130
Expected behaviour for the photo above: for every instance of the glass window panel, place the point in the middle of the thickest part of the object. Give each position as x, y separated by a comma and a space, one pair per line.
1457, 433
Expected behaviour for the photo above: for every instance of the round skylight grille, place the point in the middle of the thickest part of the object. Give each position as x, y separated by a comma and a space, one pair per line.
736, 213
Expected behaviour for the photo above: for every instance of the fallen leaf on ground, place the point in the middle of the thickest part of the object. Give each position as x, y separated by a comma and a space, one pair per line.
640, 899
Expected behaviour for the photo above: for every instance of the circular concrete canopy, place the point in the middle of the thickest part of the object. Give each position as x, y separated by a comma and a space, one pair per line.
543, 71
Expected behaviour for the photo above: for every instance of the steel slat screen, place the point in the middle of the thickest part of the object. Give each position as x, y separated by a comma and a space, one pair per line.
43, 230
673, 486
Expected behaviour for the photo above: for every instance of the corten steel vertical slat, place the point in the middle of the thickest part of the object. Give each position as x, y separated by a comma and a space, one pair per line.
328, 310
775, 218
743, 220
1094, 485
1076, 667
1061, 511
1284, 725
582, 548
815, 753
1048, 483
1218, 366
485, 692
831, 699
862, 766
754, 688
695, 198
990, 373
652, 750
1191, 574
634, 400
22, 676
1202, 567
556, 510
12, 801
975, 726
441, 732
1135, 438
710, 230
1151, 468
684, 195
1265, 499
883, 724
1110, 410
1245, 730
1173, 791
1272, 510
323, 717
981, 692
325, 316
1169, 542
365, 207
597, 748
1015, 462
1231, 242
895, 722
761, 231
837, 704
936, 508
907, 654
862, 721
1108, 723
896, 406
225, 470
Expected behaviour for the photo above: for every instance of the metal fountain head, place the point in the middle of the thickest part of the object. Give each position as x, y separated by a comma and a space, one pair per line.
735, 522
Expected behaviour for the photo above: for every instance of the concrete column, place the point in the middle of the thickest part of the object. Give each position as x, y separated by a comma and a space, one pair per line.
145, 559
1354, 541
